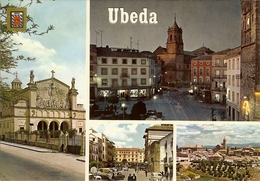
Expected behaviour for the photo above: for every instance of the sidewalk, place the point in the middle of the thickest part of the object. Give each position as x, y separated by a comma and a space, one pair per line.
37, 149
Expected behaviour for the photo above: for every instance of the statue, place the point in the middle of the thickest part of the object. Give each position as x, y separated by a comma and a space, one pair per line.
31, 77
73, 83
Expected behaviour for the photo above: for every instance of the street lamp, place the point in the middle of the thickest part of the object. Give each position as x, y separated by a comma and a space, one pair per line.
154, 98
123, 105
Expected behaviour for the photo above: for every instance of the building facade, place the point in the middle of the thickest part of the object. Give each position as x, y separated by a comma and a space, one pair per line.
219, 77
129, 156
44, 105
126, 73
153, 155
250, 55
106, 148
233, 59
201, 72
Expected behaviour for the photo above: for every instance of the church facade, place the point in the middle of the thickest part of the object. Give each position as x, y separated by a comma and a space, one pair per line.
44, 105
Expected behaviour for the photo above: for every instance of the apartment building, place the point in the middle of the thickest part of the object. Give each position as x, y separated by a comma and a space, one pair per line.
219, 77
124, 72
166, 153
129, 155
233, 60
201, 71
106, 148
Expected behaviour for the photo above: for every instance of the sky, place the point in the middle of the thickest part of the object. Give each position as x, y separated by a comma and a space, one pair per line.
212, 23
213, 134
127, 135
62, 50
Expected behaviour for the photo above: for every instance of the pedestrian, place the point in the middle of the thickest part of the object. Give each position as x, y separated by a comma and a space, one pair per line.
129, 178
133, 177
146, 173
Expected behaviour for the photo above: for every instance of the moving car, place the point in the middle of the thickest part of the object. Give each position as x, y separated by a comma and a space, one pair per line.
125, 168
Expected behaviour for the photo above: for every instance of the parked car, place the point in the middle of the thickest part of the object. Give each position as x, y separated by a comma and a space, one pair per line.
156, 176
125, 168
118, 176
151, 113
91, 177
98, 177
106, 178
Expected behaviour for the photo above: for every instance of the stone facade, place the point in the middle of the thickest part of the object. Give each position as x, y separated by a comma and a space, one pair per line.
45, 105
250, 54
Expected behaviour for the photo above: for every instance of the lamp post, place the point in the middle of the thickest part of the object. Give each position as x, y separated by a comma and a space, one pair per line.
123, 105
154, 98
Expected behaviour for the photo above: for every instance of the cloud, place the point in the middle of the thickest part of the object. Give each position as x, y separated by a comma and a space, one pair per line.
33, 47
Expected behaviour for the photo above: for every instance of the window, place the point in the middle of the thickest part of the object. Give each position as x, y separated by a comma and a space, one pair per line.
233, 64
114, 83
124, 82
207, 71
103, 71
208, 80
104, 61
143, 61
124, 61
134, 71
217, 73
80, 130
233, 80
201, 71
124, 71
201, 63
134, 61
194, 71
114, 61
195, 80
152, 71
225, 62
143, 71
233, 96
114, 71
91, 67
201, 80
104, 81
217, 62
143, 81
134, 82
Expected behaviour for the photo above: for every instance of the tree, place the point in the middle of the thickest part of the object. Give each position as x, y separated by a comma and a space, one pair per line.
138, 109
8, 46
113, 99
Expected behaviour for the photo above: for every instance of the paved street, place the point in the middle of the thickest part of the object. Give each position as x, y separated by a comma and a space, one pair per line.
29, 163
177, 106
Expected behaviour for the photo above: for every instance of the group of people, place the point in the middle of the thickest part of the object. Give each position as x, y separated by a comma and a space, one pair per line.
131, 177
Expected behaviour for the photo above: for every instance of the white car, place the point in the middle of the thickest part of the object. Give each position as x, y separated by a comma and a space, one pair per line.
125, 168
156, 176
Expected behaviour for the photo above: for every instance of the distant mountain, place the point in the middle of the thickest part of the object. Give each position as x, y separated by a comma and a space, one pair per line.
243, 145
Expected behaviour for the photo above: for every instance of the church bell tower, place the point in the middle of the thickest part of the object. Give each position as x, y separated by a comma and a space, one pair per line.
174, 43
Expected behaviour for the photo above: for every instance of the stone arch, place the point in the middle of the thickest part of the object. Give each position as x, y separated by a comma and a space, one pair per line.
53, 126
42, 126
64, 126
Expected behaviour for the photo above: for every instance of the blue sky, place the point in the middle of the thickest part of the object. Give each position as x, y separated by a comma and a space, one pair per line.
127, 135
62, 50
213, 134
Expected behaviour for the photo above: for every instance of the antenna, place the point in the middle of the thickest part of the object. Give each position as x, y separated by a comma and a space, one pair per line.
130, 42
96, 35
137, 43
101, 36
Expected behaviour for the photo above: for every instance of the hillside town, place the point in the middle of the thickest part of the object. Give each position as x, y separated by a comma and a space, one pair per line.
241, 163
